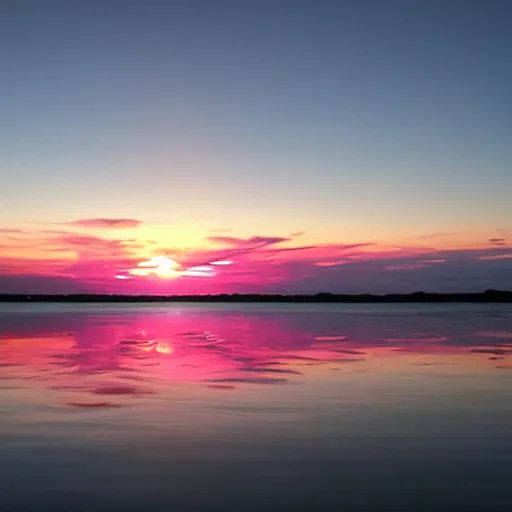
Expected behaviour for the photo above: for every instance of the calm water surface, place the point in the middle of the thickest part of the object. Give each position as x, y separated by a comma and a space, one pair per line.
255, 407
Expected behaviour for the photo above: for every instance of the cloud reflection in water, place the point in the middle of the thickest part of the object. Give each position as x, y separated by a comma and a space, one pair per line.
103, 356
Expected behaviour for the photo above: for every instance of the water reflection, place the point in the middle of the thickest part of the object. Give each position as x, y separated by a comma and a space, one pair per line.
98, 357
255, 408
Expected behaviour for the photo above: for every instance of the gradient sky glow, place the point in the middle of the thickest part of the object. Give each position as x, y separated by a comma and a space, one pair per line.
370, 139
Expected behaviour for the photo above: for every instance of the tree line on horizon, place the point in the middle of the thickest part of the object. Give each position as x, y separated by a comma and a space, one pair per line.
321, 297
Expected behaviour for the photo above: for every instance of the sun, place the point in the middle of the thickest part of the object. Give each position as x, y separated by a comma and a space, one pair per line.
164, 267
160, 266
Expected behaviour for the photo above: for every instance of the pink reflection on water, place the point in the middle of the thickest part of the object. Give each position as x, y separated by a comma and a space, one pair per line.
109, 356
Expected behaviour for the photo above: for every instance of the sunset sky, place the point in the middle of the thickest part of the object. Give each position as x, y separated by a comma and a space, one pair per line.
230, 146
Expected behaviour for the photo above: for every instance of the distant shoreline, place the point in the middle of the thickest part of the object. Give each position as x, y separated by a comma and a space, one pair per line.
489, 296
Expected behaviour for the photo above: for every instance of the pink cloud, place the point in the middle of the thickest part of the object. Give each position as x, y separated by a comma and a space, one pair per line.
98, 268
95, 258
281, 250
22, 266
102, 223
81, 243
496, 257
329, 263
257, 264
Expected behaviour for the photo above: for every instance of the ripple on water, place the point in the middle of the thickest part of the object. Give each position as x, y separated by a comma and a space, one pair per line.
94, 405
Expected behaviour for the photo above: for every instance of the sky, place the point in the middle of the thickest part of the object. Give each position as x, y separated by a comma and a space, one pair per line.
235, 146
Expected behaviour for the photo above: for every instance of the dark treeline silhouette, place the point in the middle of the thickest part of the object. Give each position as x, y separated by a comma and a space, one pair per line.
417, 297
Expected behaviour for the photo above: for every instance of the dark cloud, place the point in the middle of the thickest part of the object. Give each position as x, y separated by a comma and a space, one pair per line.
274, 250
107, 223
497, 241
27, 284
258, 241
333, 248
56, 232
460, 273
443, 234
6, 231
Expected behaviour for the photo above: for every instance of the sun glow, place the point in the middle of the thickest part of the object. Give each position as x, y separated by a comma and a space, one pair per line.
165, 267
164, 348
160, 266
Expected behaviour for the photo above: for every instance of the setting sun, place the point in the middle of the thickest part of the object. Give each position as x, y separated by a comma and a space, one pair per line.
161, 266
164, 267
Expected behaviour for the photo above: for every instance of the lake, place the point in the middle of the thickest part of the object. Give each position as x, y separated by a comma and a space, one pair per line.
255, 407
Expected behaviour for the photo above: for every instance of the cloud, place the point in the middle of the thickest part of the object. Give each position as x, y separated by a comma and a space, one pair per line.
462, 271
36, 283
497, 257
98, 268
320, 252
259, 247
12, 231
82, 242
406, 266
290, 249
374, 277
56, 232
220, 230
73, 255
497, 241
443, 234
257, 264
101, 223
258, 241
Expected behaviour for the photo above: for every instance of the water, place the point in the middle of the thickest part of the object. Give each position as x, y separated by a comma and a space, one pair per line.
255, 407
